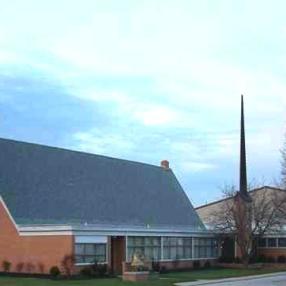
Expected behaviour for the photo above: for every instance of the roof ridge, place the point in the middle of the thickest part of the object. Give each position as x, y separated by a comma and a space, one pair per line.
78, 151
227, 198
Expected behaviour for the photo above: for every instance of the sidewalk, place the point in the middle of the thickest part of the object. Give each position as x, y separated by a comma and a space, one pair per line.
235, 279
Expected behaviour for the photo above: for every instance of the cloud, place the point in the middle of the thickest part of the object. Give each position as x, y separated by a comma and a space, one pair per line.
146, 111
197, 166
94, 141
148, 80
36, 107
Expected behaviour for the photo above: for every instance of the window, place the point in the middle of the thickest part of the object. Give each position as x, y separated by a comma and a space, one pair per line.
149, 246
282, 242
175, 248
272, 242
90, 252
205, 248
262, 242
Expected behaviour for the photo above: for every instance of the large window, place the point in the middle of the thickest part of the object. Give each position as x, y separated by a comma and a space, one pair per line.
205, 248
172, 248
262, 242
90, 252
149, 246
175, 248
282, 242
272, 242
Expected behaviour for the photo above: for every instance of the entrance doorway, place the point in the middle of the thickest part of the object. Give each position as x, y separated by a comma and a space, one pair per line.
117, 253
228, 249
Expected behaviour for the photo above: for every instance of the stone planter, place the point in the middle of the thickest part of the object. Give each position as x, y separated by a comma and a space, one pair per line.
135, 276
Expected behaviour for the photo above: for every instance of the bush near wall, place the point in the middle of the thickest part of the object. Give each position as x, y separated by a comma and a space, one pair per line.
55, 271
95, 270
6, 265
281, 259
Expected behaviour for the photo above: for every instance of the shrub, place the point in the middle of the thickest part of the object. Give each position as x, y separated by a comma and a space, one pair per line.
155, 266
95, 270
196, 264
270, 259
163, 270
223, 259
207, 264
41, 267
6, 265
30, 267
99, 269
252, 259
55, 271
237, 260
68, 264
86, 271
281, 259
20, 267
261, 259
175, 263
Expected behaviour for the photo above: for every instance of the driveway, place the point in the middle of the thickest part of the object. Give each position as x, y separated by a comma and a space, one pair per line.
277, 279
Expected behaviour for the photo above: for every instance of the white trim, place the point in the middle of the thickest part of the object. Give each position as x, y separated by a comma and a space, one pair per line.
47, 233
193, 247
114, 229
45, 230
126, 248
162, 248
188, 259
275, 235
104, 231
90, 239
8, 213
87, 263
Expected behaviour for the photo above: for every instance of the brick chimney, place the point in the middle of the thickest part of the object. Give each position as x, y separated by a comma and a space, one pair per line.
165, 164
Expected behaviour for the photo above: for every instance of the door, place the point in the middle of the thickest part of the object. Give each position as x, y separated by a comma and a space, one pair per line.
228, 252
117, 253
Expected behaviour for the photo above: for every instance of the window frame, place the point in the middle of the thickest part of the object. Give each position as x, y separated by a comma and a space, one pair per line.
212, 244
85, 255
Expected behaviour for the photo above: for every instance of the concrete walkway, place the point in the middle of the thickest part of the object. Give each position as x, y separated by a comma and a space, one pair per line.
276, 279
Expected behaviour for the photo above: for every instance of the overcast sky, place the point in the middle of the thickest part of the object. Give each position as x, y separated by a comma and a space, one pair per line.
149, 80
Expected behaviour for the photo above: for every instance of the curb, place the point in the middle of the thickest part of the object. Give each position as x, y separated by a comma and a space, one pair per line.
233, 279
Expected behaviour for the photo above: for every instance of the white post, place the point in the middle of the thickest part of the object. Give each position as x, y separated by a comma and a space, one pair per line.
193, 248
162, 249
126, 249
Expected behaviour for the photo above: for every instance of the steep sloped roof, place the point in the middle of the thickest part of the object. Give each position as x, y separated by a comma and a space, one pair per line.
47, 185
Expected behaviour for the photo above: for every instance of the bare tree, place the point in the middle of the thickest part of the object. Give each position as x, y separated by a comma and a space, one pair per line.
250, 220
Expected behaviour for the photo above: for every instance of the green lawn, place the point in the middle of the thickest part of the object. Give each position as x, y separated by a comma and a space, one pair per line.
163, 280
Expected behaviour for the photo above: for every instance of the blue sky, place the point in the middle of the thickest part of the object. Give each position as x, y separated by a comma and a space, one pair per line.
149, 80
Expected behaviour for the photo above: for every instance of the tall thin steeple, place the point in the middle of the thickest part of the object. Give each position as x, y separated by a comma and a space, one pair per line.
243, 172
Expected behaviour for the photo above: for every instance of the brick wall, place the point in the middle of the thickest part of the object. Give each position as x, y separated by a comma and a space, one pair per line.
173, 265
272, 252
38, 253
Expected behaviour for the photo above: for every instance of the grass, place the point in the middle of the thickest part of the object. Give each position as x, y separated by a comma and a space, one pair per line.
163, 280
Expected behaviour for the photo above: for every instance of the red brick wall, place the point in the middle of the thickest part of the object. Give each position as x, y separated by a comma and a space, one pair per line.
185, 264
173, 265
38, 253
272, 252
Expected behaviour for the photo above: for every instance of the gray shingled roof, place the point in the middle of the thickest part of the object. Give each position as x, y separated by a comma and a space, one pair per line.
47, 185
